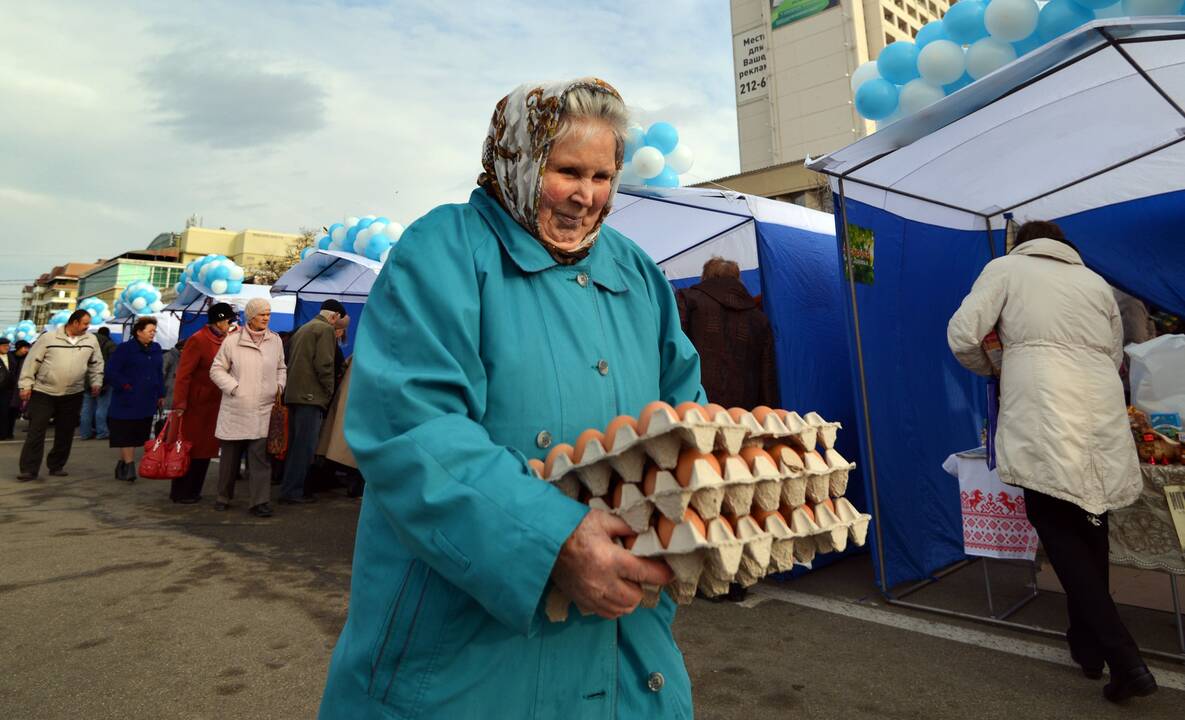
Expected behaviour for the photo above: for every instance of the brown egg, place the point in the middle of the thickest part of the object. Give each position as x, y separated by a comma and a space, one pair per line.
615, 492
618, 422
666, 526
830, 505
809, 513
561, 449
737, 413
777, 449
762, 515
760, 412
537, 466
649, 480
687, 460
730, 527
644, 418
583, 440
783, 415
751, 453
683, 408
712, 410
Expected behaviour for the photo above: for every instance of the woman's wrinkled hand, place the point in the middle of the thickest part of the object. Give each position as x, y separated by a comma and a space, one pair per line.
599, 575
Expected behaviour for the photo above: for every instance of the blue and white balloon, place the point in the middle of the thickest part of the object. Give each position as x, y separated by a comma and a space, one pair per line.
1012, 20
877, 99
942, 62
1060, 17
988, 55
898, 63
964, 22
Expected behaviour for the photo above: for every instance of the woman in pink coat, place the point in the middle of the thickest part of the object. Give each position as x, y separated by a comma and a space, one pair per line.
249, 370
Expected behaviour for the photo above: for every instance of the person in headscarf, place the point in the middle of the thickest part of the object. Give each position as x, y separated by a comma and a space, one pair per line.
499, 327
249, 370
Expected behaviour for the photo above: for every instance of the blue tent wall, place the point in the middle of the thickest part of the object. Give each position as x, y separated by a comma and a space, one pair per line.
803, 299
1137, 246
307, 309
923, 404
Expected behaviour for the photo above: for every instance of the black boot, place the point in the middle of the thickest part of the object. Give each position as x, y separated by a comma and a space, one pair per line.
1135, 682
129, 472
119, 470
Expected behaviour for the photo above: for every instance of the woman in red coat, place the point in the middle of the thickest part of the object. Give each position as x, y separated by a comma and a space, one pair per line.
197, 399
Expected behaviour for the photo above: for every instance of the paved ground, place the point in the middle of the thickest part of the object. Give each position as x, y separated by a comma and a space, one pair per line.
115, 603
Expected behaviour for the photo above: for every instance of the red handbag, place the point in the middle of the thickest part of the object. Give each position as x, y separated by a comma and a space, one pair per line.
165, 457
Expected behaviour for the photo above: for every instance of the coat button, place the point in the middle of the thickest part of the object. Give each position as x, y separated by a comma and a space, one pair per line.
543, 439
582, 279
603, 367
655, 681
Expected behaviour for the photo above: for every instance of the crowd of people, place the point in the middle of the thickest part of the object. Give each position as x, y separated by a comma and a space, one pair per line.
222, 387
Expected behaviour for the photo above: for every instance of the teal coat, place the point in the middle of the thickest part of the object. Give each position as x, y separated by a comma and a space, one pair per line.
475, 349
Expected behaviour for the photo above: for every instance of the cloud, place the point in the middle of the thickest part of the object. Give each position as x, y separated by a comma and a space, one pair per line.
226, 101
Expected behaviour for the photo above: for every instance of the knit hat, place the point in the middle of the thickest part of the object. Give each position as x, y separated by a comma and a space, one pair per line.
333, 305
256, 306
219, 312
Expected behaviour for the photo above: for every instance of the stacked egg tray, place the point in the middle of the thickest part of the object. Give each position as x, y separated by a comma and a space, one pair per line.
721, 495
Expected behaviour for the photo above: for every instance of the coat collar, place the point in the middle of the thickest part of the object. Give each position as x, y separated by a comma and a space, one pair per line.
531, 257
1046, 247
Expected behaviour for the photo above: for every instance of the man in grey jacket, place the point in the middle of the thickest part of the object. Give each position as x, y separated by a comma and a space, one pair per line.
60, 367
310, 387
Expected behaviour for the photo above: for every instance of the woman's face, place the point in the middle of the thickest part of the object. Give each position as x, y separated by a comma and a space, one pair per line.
576, 183
146, 334
260, 321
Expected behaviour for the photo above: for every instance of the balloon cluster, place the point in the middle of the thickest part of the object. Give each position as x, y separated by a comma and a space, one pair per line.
975, 38
218, 273
98, 309
61, 317
655, 156
371, 236
139, 298
24, 330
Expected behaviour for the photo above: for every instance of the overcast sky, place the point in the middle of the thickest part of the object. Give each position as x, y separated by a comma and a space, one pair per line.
119, 120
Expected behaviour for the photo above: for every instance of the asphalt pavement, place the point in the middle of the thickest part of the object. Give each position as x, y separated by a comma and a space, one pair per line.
116, 603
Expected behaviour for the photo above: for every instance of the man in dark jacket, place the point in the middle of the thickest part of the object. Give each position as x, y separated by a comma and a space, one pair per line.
12, 401
733, 337
93, 421
308, 392
7, 383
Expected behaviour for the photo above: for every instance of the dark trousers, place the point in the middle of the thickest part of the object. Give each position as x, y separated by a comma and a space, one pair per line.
7, 419
259, 470
190, 484
1076, 543
64, 410
304, 430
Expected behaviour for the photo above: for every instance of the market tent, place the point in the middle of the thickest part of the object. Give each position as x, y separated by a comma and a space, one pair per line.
191, 305
786, 252
326, 274
1088, 131
168, 328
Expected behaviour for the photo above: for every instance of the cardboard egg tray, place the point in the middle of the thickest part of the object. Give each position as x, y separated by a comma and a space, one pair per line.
721, 495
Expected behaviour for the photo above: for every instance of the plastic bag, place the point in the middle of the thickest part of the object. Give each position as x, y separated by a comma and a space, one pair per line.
1158, 374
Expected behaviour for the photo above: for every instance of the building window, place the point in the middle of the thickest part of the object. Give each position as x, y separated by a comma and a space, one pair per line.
913, 32
888, 15
911, 12
899, 3
888, 39
902, 26
933, 8
164, 277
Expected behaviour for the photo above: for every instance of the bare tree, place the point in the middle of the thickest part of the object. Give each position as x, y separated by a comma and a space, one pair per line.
269, 271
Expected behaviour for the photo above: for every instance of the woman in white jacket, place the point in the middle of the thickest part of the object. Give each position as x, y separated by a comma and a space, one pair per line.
1063, 433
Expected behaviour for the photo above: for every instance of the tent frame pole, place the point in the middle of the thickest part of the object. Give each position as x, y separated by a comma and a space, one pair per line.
843, 236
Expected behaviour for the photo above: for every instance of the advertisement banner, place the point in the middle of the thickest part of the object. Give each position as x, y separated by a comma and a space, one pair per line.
784, 12
749, 60
860, 243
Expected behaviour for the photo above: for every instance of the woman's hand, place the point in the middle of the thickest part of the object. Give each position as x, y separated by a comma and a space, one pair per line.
599, 575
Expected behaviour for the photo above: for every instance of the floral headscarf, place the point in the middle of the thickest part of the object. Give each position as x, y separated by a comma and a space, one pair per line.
516, 150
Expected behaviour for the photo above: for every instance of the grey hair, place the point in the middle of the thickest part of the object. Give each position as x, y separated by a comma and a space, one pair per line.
589, 103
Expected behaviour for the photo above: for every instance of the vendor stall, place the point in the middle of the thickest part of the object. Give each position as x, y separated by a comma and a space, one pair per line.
189, 308
1085, 131
325, 274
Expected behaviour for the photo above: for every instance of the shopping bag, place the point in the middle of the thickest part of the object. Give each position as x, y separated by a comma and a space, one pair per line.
167, 456
277, 428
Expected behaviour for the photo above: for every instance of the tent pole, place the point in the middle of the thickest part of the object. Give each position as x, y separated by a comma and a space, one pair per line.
987, 220
876, 509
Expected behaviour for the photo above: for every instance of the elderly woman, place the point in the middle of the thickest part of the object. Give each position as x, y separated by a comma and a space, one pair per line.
197, 399
249, 370
1063, 434
135, 375
499, 327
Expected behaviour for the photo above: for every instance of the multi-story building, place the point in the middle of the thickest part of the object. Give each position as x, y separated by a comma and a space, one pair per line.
53, 291
248, 248
793, 61
107, 280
